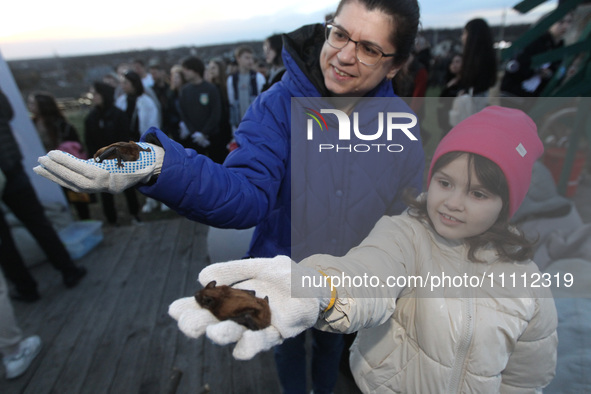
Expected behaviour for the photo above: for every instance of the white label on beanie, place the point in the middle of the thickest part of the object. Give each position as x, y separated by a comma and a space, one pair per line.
521, 150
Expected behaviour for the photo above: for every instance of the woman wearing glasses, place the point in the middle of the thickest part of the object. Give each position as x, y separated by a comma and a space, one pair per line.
355, 55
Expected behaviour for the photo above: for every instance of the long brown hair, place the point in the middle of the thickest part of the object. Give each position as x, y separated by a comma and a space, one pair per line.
510, 243
220, 80
51, 116
479, 61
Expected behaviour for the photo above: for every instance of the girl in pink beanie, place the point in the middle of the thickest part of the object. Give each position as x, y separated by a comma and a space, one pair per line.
444, 298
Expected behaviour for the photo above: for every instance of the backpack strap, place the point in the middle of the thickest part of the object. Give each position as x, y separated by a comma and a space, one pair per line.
254, 90
235, 85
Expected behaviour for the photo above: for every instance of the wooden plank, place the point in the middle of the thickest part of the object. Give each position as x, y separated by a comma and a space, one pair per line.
136, 347
155, 377
50, 282
102, 305
190, 357
72, 340
125, 283
160, 369
258, 375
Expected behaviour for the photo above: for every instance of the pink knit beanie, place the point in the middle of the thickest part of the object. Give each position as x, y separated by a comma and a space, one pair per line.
506, 136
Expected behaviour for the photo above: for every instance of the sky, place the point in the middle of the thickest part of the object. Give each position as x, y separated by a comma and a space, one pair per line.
41, 28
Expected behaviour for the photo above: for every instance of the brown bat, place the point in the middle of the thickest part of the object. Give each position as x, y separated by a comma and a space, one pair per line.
241, 306
122, 151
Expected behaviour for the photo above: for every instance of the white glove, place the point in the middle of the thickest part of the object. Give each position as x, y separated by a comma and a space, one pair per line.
88, 176
183, 131
200, 139
270, 277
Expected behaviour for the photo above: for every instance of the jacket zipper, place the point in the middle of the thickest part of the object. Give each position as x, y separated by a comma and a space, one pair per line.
463, 346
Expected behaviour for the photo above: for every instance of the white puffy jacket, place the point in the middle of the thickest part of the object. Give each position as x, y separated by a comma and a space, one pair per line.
145, 109
466, 338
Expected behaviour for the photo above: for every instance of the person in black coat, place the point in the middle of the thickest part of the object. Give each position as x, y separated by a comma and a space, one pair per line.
20, 197
105, 125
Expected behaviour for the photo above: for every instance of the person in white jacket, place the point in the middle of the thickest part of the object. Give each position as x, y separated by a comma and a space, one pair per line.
141, 110
444, 297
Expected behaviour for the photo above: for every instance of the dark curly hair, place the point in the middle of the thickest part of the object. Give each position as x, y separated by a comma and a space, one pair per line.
510, 243
405, 17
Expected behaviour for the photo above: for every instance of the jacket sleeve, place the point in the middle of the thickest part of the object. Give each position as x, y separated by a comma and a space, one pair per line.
121, 102
366, 294
532, 363
239, 193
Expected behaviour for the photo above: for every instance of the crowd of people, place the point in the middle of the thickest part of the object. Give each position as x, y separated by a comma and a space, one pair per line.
473, 68
195, 103
200, 104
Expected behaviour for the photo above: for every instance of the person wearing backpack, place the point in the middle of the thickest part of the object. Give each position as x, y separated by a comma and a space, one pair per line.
243, 86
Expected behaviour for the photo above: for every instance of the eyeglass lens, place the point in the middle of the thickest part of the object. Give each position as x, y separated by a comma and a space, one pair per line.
366, 53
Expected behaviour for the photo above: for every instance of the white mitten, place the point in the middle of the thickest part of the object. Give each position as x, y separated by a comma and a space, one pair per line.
91, 177
200, 139
183, 131
268, 277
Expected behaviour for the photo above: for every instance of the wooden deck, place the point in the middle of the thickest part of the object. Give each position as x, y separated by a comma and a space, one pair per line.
112, 333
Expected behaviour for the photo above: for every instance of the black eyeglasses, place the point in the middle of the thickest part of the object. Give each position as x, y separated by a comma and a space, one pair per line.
367, 53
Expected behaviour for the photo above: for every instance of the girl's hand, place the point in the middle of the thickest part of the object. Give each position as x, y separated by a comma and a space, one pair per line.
268, 277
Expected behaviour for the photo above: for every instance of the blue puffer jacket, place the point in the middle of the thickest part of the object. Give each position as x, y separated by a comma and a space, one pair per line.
254, 185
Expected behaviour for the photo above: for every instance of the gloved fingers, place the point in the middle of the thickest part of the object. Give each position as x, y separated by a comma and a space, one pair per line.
66, 166
253, 342
40, 170
73, 163
226, 273
239, 270
68, 178
225, 332
194, 322
178, 307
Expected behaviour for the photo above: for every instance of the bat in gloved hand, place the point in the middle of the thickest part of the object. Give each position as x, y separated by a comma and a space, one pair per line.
241, 306
122, 151
231, 313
